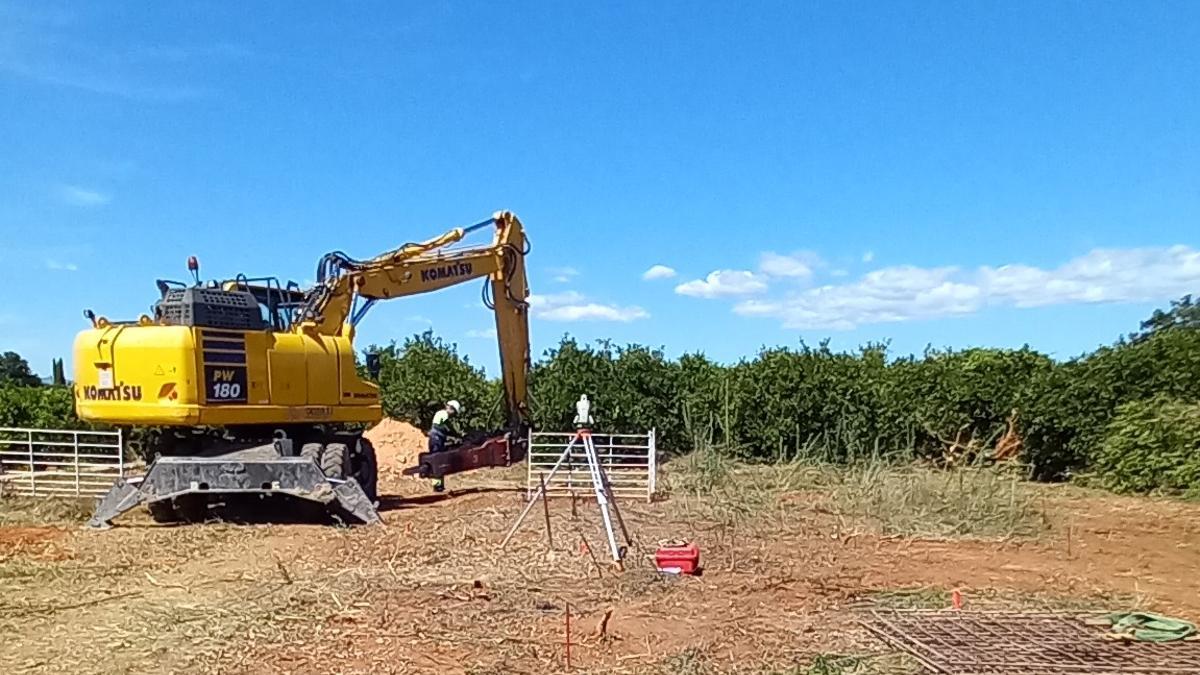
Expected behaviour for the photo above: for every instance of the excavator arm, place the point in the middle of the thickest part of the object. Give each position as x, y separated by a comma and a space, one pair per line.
347, 288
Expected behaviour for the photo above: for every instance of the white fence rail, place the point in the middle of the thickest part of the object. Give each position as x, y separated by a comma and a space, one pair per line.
629, 460
58, 462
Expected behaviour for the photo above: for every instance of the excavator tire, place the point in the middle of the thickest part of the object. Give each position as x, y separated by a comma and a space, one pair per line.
312, 451
366, 468
335, 460
163, 511
191, 508
181, 509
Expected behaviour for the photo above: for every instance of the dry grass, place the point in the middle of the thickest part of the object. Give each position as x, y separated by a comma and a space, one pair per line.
890, 499
910, 501
43, 511
1005, 600
694, 661
841, 664
789, 550
184, 598
690, 661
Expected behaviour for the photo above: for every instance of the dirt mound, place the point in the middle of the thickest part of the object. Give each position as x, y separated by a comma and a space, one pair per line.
397, 444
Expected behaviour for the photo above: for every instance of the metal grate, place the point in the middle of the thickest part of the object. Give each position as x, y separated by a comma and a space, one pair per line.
1008, 643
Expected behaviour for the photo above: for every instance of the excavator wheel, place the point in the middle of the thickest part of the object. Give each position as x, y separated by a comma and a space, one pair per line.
191, 508
335, 460
312, 451
181, 509
163, 511
366, 468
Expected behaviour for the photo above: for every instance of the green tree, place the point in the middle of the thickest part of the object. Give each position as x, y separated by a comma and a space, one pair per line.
60, 376
1066, 424
1152, 444
965, 398
38, 407
632, 389
418, 377
814, 403
15, 370
1183, 313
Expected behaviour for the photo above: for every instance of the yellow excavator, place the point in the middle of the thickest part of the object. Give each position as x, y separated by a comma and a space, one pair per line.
250, 389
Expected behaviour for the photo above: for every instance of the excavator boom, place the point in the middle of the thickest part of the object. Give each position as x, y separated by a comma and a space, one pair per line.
430, 266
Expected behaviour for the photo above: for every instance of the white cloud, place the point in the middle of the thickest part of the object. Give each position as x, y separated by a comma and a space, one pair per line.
537, 300
52, 48
905, 293
723, 283
79, 196
64, 77
797, 265
868, 256
1102, 275
563, 274
485, 333
592, 311
574, 306
417, 318
658, 272
63, 266
890, 294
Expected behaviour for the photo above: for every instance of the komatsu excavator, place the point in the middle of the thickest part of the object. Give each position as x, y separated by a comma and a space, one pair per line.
252, 388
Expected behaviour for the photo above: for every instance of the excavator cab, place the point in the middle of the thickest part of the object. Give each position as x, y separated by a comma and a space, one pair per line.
280, 304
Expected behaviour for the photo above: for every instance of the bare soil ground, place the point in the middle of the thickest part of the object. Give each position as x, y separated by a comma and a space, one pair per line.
785, 574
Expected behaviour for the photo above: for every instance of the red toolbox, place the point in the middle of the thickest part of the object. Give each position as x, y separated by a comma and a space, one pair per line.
678, 558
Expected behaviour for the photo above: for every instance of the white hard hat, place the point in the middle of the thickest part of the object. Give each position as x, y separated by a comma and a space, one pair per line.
454, 405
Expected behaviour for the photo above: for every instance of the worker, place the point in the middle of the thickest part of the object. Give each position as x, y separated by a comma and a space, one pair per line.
439, 433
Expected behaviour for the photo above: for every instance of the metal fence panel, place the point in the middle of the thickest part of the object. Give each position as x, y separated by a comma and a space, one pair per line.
629, 460
59, 462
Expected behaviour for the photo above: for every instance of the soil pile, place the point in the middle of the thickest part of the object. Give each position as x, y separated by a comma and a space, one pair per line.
397, 444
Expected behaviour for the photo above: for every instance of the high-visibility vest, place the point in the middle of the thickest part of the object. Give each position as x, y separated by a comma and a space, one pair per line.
440, 418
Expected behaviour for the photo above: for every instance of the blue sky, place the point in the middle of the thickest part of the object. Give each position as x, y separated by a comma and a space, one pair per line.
954, 174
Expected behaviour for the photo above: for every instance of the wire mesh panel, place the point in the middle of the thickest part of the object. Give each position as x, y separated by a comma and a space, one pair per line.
59, 463
1008, 643
629, 460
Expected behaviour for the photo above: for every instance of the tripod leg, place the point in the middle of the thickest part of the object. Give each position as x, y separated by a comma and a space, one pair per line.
612, 499
546, 512
601, 496
541, 493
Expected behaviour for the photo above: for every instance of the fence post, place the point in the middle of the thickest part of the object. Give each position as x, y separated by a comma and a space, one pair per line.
653, 452
529, 465
571, 472
75, 445
32, 472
